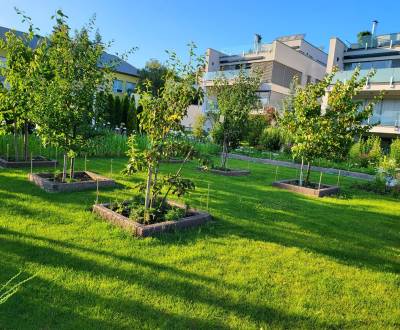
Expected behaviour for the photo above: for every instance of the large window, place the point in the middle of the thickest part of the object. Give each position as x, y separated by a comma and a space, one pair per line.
130, 87
118, 86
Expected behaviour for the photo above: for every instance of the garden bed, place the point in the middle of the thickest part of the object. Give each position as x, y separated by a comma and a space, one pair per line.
312, 189
193, 218
172, 161
226, 172
82, 181
36, 162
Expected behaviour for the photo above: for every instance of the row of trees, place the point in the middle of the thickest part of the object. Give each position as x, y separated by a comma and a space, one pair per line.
58, 86
121, 111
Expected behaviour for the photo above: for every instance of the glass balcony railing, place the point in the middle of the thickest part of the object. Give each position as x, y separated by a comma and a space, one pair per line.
227, 74
384, 40
247, 49
387, 75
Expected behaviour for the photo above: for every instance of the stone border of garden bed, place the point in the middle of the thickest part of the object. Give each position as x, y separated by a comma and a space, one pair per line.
43, 181
138, 229
325, 190
226, 173
23, 164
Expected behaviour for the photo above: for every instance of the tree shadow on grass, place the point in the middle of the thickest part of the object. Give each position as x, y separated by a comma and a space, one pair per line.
170, 283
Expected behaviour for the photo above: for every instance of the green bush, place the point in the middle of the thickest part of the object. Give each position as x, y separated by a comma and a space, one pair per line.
395, 150
366, 152
272, 139
255, 127
217, 135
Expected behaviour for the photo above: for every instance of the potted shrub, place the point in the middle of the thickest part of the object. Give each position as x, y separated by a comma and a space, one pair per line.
150, 211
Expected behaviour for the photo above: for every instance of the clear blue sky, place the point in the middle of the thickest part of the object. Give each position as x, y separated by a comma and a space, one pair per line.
156, 25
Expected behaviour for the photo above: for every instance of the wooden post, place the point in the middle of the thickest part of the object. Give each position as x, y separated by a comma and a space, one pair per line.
111, 167
31, 164
301, 172
208, 196
85, 162
320, 179
276, 173
8, 150
97, 191
338, 179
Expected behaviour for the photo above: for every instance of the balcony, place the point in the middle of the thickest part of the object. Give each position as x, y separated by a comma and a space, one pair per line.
228, 74
244, 50
382, 76
384, 40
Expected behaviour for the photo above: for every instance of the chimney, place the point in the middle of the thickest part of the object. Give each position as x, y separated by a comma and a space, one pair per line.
374, 26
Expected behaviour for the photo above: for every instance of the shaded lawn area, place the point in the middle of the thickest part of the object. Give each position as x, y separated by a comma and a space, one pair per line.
271, 258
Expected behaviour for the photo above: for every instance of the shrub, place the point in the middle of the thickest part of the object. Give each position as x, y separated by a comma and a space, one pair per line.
375, 151
198, 127
395, 150
255, 127
272, 139
217, 134
366, 152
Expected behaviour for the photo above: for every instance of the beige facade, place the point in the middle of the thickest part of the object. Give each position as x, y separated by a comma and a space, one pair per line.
381, 53
279, 62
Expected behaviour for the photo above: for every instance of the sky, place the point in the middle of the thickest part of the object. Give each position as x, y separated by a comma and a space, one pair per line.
157, 25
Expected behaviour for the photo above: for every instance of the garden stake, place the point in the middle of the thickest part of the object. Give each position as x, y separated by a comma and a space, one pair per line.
55, 170
111, 166
208, 196
338, 179
301, 172
276, 173
320, 179
8, 149
31, 164
97, 191
85, 162
56, 152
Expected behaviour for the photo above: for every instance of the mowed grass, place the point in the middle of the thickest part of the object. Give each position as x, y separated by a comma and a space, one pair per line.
270, 258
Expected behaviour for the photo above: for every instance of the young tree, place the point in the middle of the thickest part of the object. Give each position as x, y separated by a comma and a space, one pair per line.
315, 133
155, 73
68, 81
16, 93
131, 118
160, 116
235, 99
198, 126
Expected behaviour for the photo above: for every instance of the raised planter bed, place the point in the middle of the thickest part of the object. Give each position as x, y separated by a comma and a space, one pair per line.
196, 218
36, 162
87, 180
229, 172
293, 185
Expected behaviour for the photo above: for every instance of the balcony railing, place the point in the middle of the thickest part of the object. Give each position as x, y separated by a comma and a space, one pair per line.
227, 74
387, 75
385, 40
247, 50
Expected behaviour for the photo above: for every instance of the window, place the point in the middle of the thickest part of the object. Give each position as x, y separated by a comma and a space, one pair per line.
118, 86
369, 65
308, 79
2, 61
130, 87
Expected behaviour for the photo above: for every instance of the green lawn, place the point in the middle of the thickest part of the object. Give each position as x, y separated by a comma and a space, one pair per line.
271, 258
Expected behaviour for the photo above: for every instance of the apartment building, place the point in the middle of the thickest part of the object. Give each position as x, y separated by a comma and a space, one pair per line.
379, 52
125, 76
279, 62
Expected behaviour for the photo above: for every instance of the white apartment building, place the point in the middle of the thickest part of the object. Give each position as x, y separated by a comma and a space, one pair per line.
379, 52
279, 62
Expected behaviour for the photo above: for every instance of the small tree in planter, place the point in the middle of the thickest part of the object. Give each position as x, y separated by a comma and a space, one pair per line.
16, 94
235, 99
330, 133
68, 86
161, 115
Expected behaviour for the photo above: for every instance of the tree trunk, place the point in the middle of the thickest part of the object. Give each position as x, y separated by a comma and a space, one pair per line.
148, 188
72, 168
15, 141
307, 181
153, 198
26, 141
224, 154
64, 174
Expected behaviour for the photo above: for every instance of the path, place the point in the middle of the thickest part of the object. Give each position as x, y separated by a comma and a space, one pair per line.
351, 174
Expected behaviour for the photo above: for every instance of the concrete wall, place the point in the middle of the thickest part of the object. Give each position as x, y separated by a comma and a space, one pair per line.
336, 53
